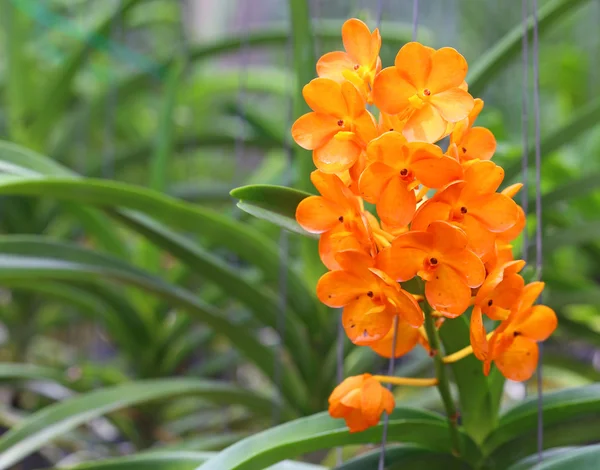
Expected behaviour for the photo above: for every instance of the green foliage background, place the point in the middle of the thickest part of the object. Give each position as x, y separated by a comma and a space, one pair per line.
139, 308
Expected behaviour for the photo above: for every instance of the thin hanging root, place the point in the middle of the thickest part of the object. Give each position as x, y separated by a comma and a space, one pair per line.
406, 381
462, 353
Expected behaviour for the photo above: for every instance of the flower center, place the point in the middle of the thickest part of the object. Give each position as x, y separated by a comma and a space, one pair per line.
403, 172
426, 92
357, 66
433, 261
340, 123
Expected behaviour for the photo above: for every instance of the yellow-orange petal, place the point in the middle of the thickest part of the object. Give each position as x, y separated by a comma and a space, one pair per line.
397, 204
478, 142
468, 265
339, 288
336, 156
430, 211
482, 177
333, 189
496, 212
540, 323
355, 102
407, 307
313, 130
405, 257
425, 125
447, 292
346, 386
481, 240
325, 96
446, 238
391, 92
388, 148
365, 127
332, 64
448, 70
435, 171
513, 232
414, 61
406, 339
453, 104
529, 295
315, 214
373, 181
520, 360
365, 322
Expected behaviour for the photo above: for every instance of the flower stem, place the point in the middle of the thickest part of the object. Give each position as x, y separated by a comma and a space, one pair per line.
461, 354
407, 381
443, 382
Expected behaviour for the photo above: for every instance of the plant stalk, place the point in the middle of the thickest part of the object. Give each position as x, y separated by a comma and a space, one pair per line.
442, 376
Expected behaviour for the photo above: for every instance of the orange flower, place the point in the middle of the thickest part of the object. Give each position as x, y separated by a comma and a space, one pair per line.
396, 168
426, 86
338, 213
473, 205
360, 63
360, 400
501, 290
470, 142
338, 128
370, 298
440, 257
513, 345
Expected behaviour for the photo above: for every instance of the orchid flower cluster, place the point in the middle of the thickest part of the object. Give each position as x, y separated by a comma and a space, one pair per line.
440, 218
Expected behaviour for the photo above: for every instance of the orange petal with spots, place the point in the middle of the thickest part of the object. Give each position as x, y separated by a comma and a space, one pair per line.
332, 64
447, 292
425, 125
315, 214
314, 130
339, 288
325, 96
336, 156
366, 322
405, 257
453, 104
519, 361
406, 339
391, 92
397, 204
414, 61
448, 70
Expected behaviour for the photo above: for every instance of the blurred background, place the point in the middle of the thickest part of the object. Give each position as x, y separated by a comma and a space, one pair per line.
151, 272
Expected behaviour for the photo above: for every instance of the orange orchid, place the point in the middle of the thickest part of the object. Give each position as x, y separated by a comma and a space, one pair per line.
360, 63
440, 257
396, 168
471, 143
371, 299
473, 205
360, 401
338, 128
500, 290
426, 86
407, 338
513, 345
338, 213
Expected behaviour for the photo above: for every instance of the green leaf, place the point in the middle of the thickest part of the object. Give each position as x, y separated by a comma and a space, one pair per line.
569, 236
497, 58
583, 458
529, 462
276, 204
320, 431
404, 457
14, 371
478, 408
54, 420
571, 417
63, 262
248, 243
155, 460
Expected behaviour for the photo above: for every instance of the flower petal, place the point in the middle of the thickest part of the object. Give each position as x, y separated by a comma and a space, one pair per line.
373, 181
425, 125
529, 295
355, 102
519, 361
348, 385
481, 240
315, 214
407, 307
332, 188
482, 178
468, 264
453, 104
448, 70
405, 257
365, 322
496, 212
447, 238
365, 127
407, 338
313, 130
430, 211
371, 400
414, 61
391, 92
325, 96
477, 335
336, 156
359, 43
478, 142
540, 324
447, 292
339, 288
435, 171
397, 204
388, 148
332, 64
